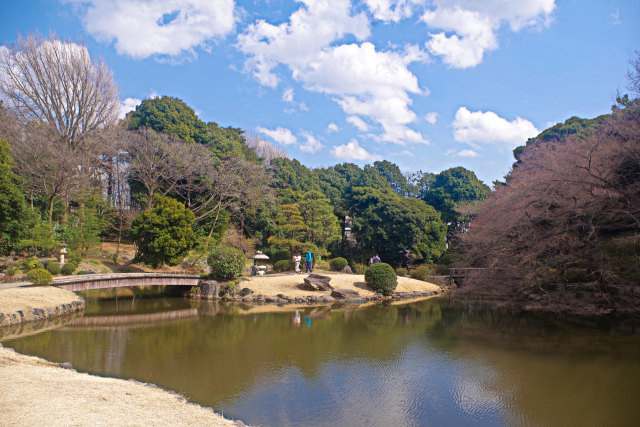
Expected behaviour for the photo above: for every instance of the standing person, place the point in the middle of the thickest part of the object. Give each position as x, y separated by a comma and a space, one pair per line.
308, 258
405, 259
376, 259
296, 261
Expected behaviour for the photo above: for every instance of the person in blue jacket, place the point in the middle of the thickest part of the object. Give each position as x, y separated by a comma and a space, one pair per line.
308, 258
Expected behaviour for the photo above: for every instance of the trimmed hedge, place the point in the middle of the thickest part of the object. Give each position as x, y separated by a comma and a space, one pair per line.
226, 263
381, 278
422, 272
358, 267
69, 268
338, 264
39, 276
283, 265
53, 267
31, 264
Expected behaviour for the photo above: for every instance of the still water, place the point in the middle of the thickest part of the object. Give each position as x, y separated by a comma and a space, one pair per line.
426, 363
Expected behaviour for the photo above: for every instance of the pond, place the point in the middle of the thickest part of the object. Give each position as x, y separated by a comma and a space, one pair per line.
425, 363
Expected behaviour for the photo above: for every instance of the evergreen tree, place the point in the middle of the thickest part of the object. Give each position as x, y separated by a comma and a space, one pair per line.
323, 225
13, 210
163, 234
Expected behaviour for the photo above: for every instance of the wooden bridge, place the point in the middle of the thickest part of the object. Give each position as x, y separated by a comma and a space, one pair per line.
120, 280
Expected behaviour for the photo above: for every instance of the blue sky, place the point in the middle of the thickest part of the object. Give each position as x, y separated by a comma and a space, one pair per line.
426, 84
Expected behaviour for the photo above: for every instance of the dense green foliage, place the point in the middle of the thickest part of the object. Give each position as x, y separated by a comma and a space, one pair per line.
283, 265
422, 272
386, 223
53, 267
381, 278
453, 187
226, 262
163, 234
172, 116
13, 209
338, 264
69, 268
39, 276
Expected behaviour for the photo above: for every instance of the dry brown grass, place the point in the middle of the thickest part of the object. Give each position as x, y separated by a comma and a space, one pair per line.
40, 393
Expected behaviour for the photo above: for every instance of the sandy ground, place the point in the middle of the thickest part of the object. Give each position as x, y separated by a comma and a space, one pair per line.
287, 284
40, 393
26, 299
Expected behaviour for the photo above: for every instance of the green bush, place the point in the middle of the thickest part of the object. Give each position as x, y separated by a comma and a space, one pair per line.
226, 263
283, 265
13, 271
69, 268
53, 267
75, 257
338, 264
163, 234
30, 264
422, 272
381, 278
358, 268
39, 276
320, 264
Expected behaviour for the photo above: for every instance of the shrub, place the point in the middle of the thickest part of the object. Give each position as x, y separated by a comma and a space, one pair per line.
75, 257
53, 267
12, 271
30, 264
320, 264
422, 272
69, 268
226, 262
381, 278
283, 265
358, 267
163, 234
39, 276
338, 264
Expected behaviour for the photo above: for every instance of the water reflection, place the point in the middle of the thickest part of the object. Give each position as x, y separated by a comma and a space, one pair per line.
427, 363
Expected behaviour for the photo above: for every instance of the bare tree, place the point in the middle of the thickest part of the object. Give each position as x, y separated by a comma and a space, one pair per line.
157, 161
56, 83
264, 149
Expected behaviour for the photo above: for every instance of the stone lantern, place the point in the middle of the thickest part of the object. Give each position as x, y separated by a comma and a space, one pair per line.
63, 251
257, 258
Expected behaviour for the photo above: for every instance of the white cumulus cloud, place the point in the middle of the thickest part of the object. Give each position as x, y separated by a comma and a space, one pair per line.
143, 28
470, 26
353, 151
311, 143
281, 135
489, 128
431, 117
332, 128
363, 80
392, 10
127, 105
467, 153
358, 123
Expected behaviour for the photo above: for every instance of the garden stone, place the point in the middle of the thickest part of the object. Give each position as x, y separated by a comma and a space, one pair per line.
345, 293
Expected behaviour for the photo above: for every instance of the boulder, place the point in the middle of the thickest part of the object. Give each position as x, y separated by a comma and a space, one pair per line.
244, 292
317, 282
209, 289
347, 270
312, 284
345, 293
